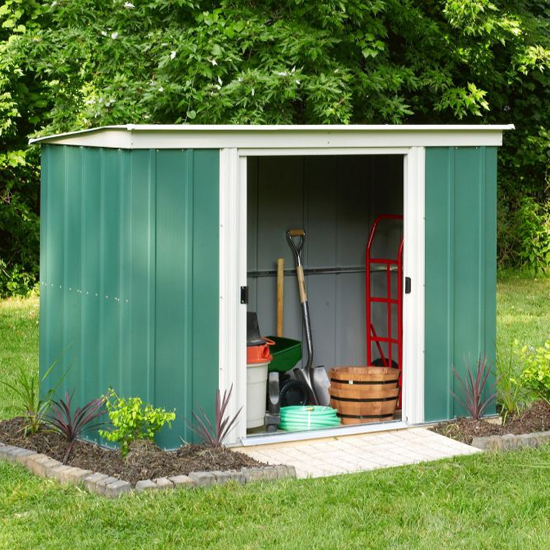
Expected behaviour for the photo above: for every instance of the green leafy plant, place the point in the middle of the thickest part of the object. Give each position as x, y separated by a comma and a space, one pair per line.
73, 424
215, 435
474, 394
536, 372
511, 396
132, 419
27, 389
72, 65
533, 231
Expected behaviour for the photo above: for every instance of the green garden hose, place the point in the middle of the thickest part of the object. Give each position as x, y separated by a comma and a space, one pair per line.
307, 417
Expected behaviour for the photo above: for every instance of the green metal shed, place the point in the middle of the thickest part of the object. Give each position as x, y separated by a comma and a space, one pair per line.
149, 232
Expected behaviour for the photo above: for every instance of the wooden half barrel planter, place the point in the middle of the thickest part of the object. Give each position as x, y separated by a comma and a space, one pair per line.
364, 394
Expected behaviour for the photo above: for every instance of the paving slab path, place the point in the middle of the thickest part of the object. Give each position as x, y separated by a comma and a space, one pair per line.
356, 453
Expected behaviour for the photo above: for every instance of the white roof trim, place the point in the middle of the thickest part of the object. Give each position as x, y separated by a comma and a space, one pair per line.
148, 136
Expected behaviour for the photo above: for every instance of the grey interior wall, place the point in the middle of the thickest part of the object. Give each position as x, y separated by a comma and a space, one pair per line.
335, 199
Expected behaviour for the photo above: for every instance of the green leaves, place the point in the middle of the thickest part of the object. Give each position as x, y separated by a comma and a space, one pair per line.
464, 101
328, 62
84, 63
26, 388
132, 419
536, 372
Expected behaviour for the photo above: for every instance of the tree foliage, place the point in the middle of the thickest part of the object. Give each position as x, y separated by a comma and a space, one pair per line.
73, 64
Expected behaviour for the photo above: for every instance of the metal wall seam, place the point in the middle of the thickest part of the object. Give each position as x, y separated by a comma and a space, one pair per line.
482, 251
188, 374
451, 206
63, 287
151, 276
124, 241
101, 258
83, 278
45, 178
205, 279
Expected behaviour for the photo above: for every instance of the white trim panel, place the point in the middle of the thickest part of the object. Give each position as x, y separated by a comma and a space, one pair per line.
301, 152
282, 437
232, 329
233, 247
281, 137
413, 303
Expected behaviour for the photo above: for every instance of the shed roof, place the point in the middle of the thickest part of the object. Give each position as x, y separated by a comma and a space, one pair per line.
187, 136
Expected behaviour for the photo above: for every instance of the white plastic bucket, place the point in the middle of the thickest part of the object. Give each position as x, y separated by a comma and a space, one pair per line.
256, 378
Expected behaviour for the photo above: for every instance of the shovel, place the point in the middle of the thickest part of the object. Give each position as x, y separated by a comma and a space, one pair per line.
316, 378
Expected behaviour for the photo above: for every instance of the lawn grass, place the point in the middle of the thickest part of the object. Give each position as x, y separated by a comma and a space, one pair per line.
523, 314
490, 501
523, 310
19, 346
484, 501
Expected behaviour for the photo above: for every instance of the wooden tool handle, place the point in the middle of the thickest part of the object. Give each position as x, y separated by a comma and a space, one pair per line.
280, 294
301, 284
296, 232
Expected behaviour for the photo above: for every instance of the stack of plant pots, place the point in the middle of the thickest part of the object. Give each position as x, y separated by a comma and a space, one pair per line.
364, 394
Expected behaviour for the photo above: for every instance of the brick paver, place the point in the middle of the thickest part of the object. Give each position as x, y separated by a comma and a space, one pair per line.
355, 453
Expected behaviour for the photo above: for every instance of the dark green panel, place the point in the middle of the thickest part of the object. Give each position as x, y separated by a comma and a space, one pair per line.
205, 259
91, 274
460, 269
110, 270
72, 280
174, 305
53, 211
490, 252
141, 292
125, 269
46, 175
129, 275
439, 302
468, 270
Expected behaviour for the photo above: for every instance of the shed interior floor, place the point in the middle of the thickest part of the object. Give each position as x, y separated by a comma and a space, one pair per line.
335, 199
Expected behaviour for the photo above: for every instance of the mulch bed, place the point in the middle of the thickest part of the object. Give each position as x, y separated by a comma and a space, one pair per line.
144, 461
535, 419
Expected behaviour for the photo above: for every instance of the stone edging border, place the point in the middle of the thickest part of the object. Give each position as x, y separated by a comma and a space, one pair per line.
112, 487
510, 441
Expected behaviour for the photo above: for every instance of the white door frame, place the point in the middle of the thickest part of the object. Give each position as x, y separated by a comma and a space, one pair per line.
232, 274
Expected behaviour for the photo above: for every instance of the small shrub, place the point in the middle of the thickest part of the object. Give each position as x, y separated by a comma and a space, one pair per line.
536, 372
474, 387
511, 396
133, 419
71, 425
215, 435
27, 389
533, 230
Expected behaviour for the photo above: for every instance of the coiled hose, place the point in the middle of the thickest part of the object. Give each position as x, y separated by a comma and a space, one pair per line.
299, 418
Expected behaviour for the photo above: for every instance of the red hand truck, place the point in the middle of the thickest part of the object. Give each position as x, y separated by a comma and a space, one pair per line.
385, 267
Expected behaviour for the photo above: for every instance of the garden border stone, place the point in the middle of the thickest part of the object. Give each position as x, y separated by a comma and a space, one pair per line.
112, 487
510, 441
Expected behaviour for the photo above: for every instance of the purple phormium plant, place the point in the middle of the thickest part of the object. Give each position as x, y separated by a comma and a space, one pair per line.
72, 425
473, 388
215, 435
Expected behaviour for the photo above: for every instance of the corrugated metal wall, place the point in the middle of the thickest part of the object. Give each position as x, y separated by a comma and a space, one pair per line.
460, 269
129, 275
335, 199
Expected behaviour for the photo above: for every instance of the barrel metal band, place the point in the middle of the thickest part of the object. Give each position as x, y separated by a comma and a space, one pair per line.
366, 415
365, 383
380, 399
